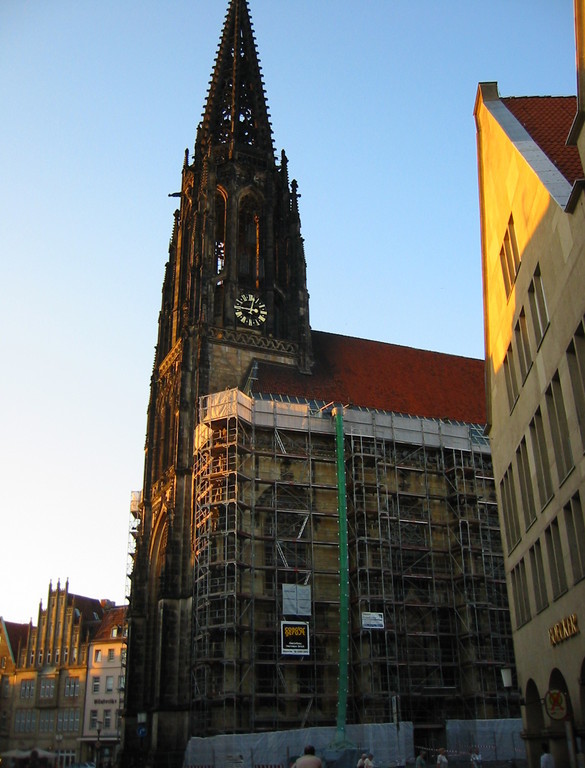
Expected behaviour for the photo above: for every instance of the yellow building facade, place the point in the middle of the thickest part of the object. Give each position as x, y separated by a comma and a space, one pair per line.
530, 165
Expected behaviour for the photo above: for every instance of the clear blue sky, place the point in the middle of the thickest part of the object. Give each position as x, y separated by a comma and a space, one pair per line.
373, 103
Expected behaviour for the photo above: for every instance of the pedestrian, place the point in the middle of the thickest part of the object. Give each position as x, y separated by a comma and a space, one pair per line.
475, 758
308, 759
546, 759
442, 761
369, 761
421, 760
362, 760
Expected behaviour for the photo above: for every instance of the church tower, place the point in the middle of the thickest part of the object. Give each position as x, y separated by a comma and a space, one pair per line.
234, 294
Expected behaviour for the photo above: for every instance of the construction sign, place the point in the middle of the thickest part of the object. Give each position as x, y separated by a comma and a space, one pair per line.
294, 638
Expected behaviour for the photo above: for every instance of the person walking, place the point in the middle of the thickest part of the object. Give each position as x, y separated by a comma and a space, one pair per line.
442, 761
421, 760
362, 760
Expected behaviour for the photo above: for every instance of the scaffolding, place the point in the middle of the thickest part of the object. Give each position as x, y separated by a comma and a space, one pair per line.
428, 620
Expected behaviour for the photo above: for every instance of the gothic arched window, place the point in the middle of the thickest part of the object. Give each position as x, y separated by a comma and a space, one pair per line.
249, 249
219, 235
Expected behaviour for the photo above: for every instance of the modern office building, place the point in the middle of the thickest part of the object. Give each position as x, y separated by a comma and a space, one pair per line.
317, 541
531, 153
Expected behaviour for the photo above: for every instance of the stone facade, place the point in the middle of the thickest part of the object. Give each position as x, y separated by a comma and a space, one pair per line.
533, 257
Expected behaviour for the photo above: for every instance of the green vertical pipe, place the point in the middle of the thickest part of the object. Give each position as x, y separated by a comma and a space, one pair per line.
337, 414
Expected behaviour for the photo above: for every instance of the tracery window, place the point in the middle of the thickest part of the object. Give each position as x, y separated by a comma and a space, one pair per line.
249, 250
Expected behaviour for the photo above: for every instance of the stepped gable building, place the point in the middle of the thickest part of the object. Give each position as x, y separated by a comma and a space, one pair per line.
318, 540
47, 686
531, 159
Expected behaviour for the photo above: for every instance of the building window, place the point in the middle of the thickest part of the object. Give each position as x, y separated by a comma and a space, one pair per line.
93, 719
27, 689
121, 682
46, 721
510, 510
25, 721
68, 720
509, 258
576, 536
555, 559
576, 362
538, 308
249, 248
97, 656
107, 719
47, 688
511, 378
538, 577
520, 594
71, 686
539, 448
109, 683
526, 492
95, 684
523, 346
559, 427
111, 654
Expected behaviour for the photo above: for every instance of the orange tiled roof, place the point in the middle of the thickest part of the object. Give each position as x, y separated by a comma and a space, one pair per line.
113, 617
548, 120
383, 376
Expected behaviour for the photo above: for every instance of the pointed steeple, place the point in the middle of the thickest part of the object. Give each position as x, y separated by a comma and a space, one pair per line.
236, 113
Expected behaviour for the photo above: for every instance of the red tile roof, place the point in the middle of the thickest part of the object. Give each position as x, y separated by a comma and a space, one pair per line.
548, 120
113, 617
17, 636
383, 376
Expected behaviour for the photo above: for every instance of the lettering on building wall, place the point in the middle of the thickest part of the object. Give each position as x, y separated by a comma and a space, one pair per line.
564, 629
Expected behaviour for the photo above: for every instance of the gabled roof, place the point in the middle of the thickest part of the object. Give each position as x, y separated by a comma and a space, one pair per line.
548, 120
381, 376
16, 635
113, 617
90, 608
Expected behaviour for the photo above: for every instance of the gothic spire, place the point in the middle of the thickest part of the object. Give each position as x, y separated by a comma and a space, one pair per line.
236, 113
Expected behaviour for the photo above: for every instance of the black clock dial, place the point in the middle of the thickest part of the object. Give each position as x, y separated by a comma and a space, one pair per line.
250, 310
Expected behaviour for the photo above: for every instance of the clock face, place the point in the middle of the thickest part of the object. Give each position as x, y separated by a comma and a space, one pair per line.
250, 310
